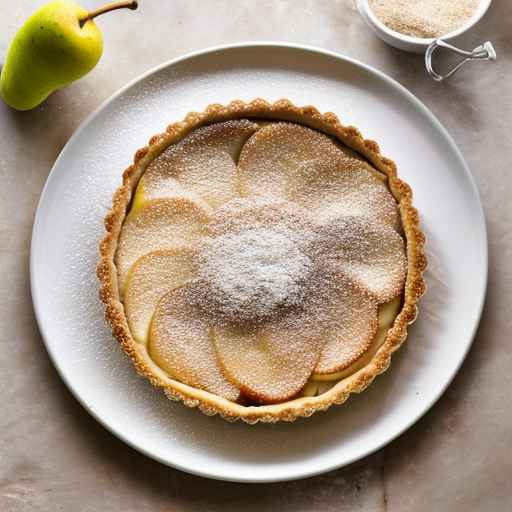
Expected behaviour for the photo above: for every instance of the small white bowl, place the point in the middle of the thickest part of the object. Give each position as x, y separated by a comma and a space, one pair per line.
409, 43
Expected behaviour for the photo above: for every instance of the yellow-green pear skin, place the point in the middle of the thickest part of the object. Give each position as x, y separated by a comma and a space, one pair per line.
49, 51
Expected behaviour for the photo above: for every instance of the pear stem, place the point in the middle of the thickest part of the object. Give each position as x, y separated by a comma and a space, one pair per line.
127, 4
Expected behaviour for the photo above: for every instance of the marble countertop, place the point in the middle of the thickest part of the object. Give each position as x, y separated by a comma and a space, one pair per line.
54, 456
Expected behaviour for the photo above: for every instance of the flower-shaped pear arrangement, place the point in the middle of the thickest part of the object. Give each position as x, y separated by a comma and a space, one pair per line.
262, 261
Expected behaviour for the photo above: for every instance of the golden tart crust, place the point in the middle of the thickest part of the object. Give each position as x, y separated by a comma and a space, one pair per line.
208, 403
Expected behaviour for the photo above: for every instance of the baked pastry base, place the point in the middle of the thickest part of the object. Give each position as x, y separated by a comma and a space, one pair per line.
208, 403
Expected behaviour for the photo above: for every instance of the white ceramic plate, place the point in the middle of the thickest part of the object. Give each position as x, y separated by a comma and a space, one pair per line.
69, 225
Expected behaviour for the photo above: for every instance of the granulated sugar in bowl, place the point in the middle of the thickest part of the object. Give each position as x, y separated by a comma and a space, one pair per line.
412, 25
424, 18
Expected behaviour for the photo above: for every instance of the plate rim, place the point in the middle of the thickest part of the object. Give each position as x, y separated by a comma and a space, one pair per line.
319, 469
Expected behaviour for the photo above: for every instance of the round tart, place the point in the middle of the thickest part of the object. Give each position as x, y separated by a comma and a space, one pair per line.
262, 261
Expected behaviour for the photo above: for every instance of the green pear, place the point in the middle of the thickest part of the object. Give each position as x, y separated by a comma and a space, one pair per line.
58, 44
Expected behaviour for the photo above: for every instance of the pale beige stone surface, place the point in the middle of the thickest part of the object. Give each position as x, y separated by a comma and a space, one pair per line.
54, 456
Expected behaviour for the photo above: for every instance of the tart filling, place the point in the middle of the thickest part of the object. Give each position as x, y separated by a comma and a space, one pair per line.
260, 262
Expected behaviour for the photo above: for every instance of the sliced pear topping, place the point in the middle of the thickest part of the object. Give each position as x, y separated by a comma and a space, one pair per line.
180, 344
300, 164
159, 224
279, 154
272, 362
151, 277
317, 387
251, 296
352, 326
139, 198
347, 189
203, 163
387, 314
370, 253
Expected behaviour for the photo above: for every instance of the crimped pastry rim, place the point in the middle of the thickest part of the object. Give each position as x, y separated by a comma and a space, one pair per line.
209, 403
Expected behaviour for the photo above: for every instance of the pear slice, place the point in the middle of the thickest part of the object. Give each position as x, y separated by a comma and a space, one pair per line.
305, 166
317, 387
271, 362
387, 315
371, 253
140, 197
158, 224
348, 189
280, 153
352, 327
180, 344
150, 278
203, 163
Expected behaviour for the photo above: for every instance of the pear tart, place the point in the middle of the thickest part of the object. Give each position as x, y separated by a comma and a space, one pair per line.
261, 261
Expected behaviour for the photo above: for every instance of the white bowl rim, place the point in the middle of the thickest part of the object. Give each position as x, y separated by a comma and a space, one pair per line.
479, 13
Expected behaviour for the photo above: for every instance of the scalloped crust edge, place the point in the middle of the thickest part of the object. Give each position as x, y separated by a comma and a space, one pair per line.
209, 403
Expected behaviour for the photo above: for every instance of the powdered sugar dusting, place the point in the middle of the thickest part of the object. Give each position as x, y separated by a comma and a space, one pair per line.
371, 254
250, 274
203, 163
